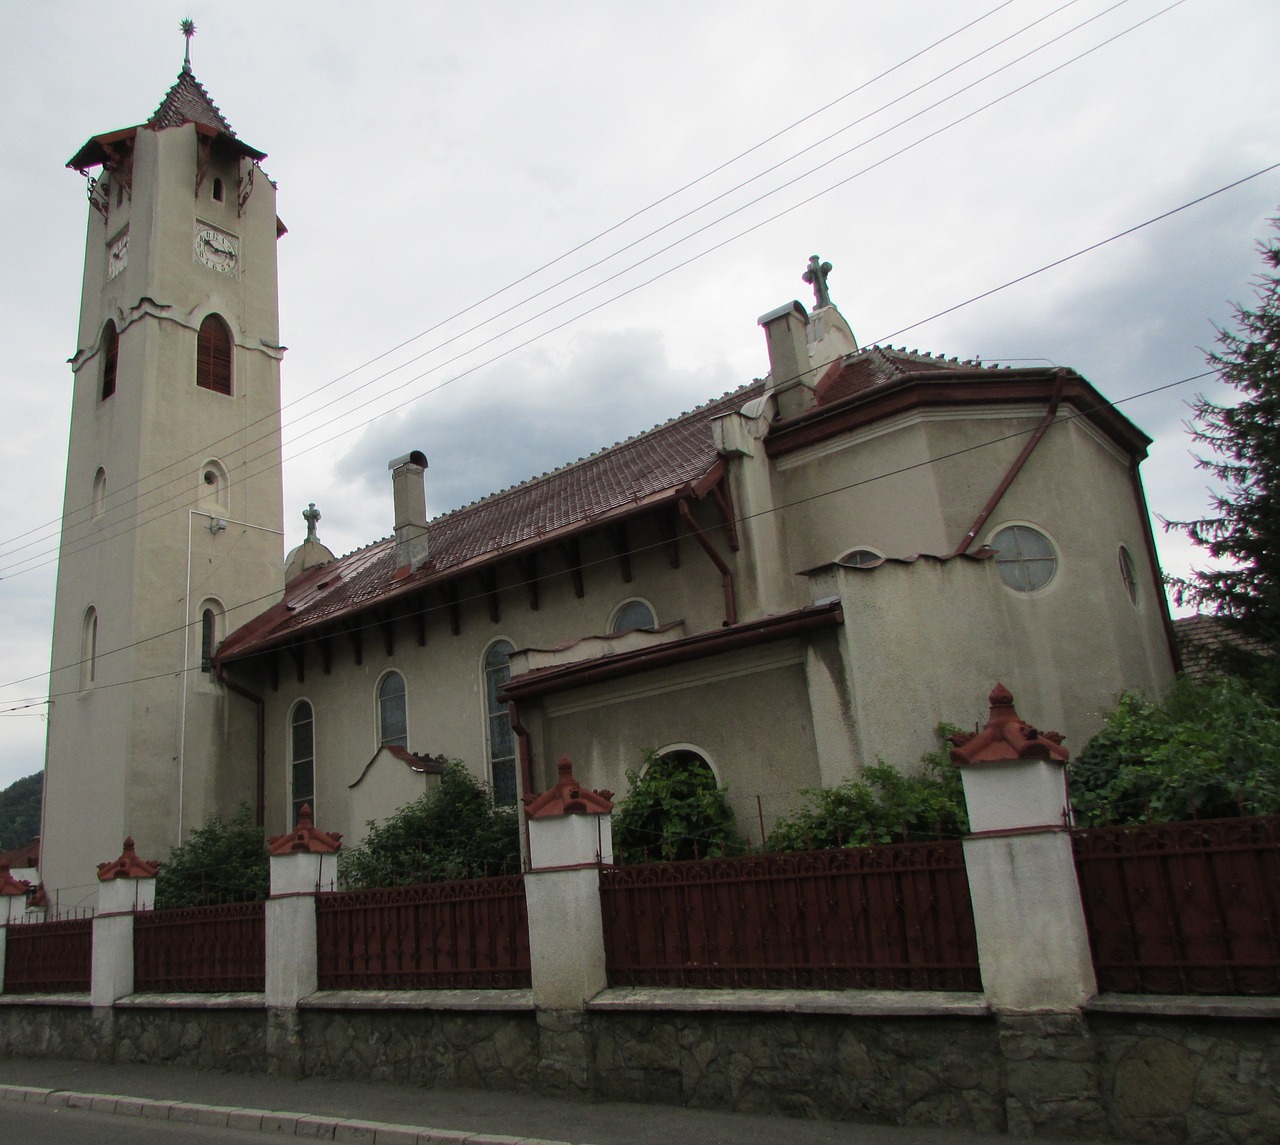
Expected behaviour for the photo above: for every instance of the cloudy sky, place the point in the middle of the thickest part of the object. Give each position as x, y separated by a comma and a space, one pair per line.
520, 232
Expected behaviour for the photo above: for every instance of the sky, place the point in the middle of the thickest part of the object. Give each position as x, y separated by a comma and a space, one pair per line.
521, 232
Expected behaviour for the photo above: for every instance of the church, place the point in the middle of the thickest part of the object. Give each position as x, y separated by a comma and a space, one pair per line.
793, 580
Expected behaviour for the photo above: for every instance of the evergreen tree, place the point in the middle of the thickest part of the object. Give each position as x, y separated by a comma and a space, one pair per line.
1243, 529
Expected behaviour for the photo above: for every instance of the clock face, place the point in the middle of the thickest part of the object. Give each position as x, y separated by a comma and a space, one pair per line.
118, 255
217, 250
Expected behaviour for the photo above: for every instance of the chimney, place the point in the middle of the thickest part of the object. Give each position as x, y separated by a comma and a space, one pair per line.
410, 496
785, 333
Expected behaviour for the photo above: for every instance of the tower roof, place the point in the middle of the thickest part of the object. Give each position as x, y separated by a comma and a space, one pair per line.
185, 102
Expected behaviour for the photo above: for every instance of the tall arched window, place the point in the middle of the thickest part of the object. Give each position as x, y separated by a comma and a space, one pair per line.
89, 647
501, 741
99, 496
211, 632
393, 723
110, 359
213, 356
302, 759
214, 486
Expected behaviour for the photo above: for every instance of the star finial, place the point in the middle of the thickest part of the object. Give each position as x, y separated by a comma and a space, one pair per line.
816, 276
188, 28
311, 515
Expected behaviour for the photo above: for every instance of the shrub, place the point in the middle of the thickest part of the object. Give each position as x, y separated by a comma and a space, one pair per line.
673, 810
1210, 750
880, 805
452, 832
223, 861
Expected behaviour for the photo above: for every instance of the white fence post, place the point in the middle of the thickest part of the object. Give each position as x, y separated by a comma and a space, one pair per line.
570, 836
1033, 944
125, 885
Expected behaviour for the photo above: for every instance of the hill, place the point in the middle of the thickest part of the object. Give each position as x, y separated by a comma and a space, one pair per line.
20, 811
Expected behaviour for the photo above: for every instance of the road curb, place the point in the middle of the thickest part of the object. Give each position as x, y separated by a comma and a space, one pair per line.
275, 1122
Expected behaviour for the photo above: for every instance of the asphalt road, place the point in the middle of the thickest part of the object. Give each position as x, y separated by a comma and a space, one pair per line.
41, 1125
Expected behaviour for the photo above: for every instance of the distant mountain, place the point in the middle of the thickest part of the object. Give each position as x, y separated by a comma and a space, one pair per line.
20, 811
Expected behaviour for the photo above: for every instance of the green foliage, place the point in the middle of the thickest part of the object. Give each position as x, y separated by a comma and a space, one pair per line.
673, 810
1210, 750
20, 811
452, 832
223, 861
880, 806
1242, 532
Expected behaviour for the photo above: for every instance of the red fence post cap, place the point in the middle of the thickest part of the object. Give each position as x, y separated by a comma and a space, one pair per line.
305, 838
1006, 737
127, 866
567, 797
11, 886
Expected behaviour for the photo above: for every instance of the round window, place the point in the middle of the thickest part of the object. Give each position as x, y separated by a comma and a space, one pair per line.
1024, 558
632, 615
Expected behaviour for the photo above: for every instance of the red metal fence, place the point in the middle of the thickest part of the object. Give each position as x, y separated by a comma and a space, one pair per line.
894, 917
201, 949
472, 934
1184, 908
49, 957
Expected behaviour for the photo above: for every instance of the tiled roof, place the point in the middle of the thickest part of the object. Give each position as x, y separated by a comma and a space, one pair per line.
188, 102
645, 470
857, 373
28, 855
1199, 638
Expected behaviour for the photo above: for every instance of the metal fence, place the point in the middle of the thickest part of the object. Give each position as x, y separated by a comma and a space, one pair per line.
893, 917
472, 934
49, 957
1183, 908
201, 949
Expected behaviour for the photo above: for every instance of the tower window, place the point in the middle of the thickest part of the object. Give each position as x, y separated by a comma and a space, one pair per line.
110, 357
501, 742
89, 648
217, 190
302, 759
213, 356
99, 497
210, 634
214, 486
393, 724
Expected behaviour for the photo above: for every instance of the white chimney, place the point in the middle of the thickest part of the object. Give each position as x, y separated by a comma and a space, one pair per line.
793, 381
409, 492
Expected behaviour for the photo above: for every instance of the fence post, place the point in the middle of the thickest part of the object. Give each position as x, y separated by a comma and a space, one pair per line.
570, 836
125, 885
13, 903
302, 862
1033, 945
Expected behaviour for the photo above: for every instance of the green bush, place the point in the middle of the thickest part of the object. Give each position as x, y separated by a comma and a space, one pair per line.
452, 832
223, 861
1210, 750
880, 805
673, 810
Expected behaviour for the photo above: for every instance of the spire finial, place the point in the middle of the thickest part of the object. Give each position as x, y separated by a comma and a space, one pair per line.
312, 516
816, 276
188, 28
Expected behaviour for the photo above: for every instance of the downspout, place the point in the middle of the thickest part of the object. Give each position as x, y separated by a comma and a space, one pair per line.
526, 774
726, 574
1060, 377
261, 806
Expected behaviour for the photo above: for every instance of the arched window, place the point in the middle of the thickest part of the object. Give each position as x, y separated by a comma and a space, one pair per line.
501, 741
110, 346
393, 723
99, 496
302, 759
214, 486
211, 632
1129, 574
630, 615
862, 558
1025, 558
213, 356
89, 647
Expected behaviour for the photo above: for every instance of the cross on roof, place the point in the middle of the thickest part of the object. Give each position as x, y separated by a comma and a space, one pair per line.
816, 276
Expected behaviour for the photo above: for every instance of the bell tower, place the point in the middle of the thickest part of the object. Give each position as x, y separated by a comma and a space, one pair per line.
172, 529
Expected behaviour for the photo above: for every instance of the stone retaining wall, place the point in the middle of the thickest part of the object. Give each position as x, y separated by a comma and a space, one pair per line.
1166, 1080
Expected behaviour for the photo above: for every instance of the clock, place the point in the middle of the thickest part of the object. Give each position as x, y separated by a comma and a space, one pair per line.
217, 250
118, 255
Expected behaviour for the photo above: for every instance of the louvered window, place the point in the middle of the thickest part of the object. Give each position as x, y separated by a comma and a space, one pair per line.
110, 356
213, 356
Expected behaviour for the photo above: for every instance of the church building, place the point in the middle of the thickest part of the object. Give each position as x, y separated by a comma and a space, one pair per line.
794, 580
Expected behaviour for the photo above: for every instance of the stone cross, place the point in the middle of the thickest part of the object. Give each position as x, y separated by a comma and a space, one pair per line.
311, 515
816, 276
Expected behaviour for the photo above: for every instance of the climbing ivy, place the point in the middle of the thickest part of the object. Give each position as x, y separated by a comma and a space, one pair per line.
673, 809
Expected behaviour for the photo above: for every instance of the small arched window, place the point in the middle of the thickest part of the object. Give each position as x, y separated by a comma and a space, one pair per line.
501, 741
211, 618
1129, 574
98, 498
862, 558
630, 615
214, 486
217, 190
213, 356
110, 346
393, 724
89, 648
302, 759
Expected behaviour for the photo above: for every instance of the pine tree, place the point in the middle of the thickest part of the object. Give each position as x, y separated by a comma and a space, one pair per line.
1242, 531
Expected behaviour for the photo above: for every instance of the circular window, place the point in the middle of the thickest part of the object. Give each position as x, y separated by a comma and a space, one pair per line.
632, 615
1024, 558
1129, 574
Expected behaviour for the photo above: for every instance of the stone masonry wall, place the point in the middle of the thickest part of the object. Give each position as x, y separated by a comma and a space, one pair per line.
1172, 1081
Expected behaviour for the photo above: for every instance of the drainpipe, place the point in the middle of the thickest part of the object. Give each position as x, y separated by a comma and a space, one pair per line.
1060, 377
526, 774
253, 697
726, 574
